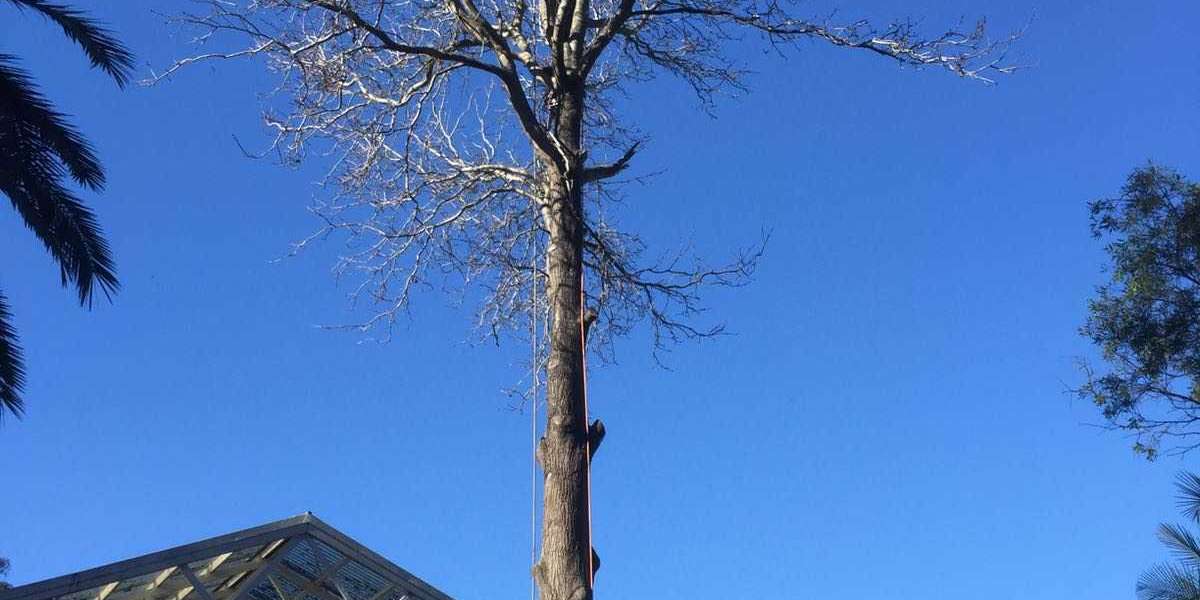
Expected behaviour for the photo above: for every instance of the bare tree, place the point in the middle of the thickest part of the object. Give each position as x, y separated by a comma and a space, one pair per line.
478, 139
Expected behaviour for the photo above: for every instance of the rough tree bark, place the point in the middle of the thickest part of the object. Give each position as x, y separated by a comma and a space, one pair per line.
564, 568
387, 86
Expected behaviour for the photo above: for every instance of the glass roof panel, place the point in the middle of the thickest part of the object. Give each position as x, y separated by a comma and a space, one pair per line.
295, 559
265, 590
358, 582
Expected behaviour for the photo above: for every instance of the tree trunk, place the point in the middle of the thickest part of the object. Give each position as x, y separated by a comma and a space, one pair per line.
565, 569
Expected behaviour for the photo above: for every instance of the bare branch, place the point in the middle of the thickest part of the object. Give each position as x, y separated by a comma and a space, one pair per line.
442, 123
613, 169
684, 38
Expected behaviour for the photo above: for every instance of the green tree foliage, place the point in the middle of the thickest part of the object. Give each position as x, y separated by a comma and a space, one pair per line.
1179, 580
39, 153
1146, 318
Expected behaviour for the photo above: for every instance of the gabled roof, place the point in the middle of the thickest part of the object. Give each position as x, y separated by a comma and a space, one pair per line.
300, 558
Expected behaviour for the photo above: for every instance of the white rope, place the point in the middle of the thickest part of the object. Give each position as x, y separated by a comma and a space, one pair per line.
533, 420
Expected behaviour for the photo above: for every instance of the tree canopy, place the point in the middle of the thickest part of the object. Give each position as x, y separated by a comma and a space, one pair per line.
447, 117
1146, 318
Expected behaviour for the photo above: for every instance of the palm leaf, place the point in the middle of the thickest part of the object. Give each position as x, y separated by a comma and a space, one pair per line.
33, 181
23, 107
1182, 543
38, 149
12, 366
105, 52
1189, 495
1168, 582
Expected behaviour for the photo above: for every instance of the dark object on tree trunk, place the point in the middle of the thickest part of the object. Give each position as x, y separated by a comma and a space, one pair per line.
589, 319
595, 436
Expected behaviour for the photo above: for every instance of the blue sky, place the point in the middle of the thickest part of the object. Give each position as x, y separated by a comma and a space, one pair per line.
889, 419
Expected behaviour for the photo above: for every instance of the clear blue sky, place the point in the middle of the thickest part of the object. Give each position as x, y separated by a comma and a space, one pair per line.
889, 421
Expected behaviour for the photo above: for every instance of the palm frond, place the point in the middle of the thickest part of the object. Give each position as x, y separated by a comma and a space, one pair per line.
22, 104
1189, 495
104, 50
12, 366
33, 181
1182, 543
1168, 582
